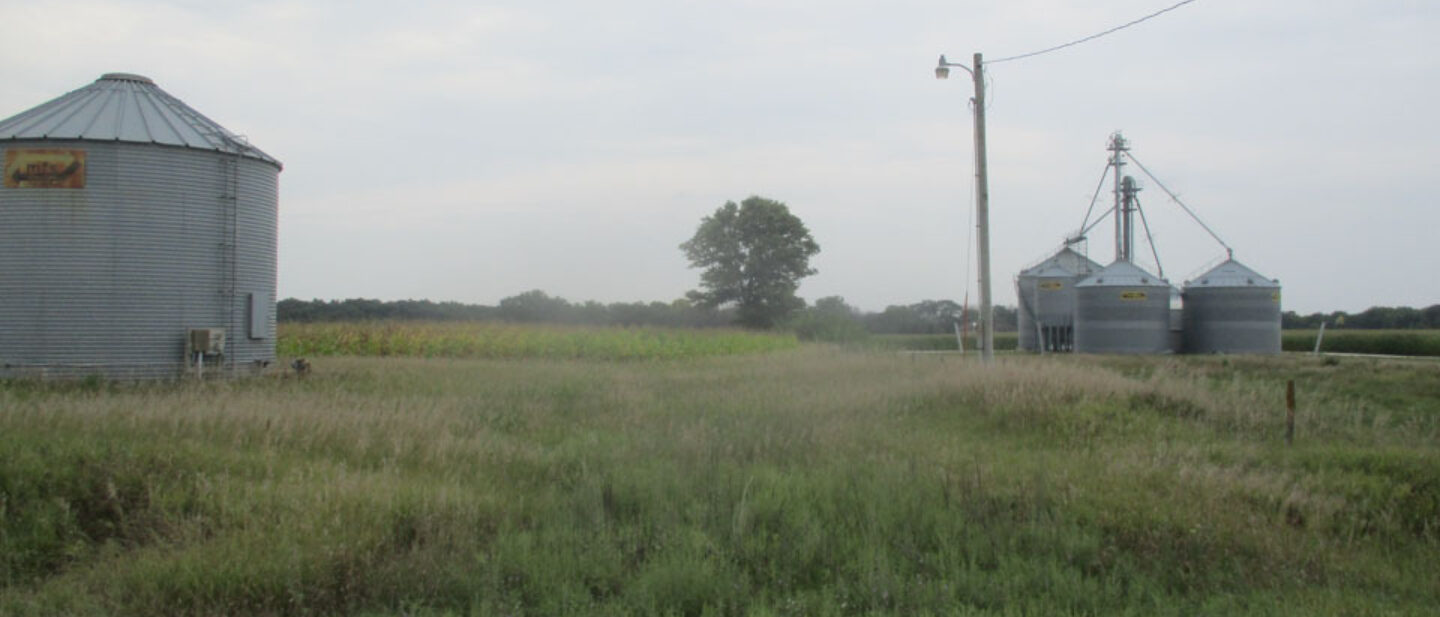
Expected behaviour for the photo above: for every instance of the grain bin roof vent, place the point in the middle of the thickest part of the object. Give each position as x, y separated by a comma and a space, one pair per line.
127, 77
128, 108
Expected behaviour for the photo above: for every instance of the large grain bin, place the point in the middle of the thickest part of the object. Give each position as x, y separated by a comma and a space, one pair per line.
1046, 300
137, 236
1232, 309
1123, 309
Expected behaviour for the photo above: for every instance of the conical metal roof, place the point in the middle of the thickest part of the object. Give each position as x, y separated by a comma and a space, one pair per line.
1123, 274
129, 108
1232, 273
1065, 262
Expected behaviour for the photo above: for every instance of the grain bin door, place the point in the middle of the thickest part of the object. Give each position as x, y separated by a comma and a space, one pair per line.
256, 315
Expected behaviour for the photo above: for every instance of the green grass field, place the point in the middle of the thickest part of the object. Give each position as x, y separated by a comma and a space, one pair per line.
808, 481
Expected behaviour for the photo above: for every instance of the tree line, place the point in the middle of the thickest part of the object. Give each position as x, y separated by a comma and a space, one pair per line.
830, 313
752, 256
1373, 318
535, 306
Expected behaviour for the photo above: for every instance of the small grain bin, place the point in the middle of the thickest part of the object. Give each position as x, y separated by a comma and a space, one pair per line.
137, 238
1123, 309
1046, 299
1232, 309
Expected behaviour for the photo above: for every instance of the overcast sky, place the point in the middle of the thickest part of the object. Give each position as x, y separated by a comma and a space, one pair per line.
474, 150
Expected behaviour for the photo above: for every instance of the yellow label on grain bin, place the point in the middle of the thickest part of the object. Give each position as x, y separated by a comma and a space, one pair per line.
44, 169
1276, 297
1133, 296
1051, 285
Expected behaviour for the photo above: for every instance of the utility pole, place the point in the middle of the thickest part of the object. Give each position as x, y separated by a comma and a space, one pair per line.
982, 202
982, 217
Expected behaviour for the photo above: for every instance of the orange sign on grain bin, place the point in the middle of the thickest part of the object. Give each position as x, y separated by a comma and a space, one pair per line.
44, 169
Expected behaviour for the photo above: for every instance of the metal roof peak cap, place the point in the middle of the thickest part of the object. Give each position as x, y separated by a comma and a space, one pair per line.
126, 77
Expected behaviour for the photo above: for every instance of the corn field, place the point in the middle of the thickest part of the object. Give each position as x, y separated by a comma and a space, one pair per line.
500, 340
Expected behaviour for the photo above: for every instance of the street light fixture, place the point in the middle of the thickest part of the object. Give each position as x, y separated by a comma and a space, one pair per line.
982, 199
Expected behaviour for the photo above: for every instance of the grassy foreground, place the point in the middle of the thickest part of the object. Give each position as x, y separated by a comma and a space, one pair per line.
796, 483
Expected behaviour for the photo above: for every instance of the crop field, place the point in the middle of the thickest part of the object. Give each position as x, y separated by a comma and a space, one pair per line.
805, 481
1381, 342
500, 340
1004, 341
1384, 342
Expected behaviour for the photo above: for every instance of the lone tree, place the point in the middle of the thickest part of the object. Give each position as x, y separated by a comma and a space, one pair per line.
754, 255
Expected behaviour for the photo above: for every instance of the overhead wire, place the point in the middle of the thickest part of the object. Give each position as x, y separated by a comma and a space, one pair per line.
1093, 36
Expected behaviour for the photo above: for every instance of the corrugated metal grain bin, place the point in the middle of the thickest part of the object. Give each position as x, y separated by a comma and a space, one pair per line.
1123, 309
127, 221
1232, 309
1046, 295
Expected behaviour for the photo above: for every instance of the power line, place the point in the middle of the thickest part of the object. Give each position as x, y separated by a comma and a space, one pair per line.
1094, 36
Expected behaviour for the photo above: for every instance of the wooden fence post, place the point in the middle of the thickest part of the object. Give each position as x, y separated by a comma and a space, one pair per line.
1289, 412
